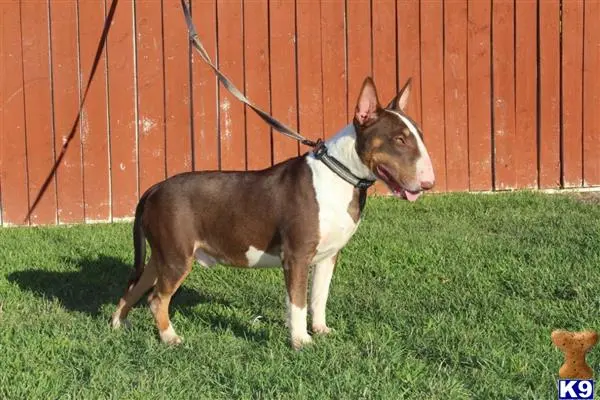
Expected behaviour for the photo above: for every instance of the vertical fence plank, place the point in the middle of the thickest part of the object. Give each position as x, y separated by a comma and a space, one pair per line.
204, 89
572, 92
122, 95
408, 51
504, 93
455, 95
231, 62
479, 94
549, 44
13, 173
409, 54
591, 94
94, 127
358, 53
432, 87
256, 66
310, 94
333, 45
3, 98
526, 154
65, 78
384, 57
384, 49
178, 142
150, 87
38, 109
358, 26
283, 74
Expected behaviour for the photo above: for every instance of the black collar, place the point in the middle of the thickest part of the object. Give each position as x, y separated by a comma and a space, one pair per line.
320, 152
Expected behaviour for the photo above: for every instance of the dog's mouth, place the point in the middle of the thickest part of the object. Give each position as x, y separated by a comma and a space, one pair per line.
397, 189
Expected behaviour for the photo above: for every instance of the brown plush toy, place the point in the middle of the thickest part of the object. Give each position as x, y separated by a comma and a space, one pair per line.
575, 345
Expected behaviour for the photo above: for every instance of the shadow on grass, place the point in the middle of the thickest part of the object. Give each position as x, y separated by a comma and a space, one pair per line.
101, 281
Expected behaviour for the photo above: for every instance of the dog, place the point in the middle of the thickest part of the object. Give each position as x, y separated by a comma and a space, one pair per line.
297, 214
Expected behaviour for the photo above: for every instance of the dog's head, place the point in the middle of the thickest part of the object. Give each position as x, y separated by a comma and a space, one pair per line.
391, 144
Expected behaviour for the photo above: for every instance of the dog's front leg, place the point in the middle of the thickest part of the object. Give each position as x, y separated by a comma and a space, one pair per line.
319, 292
296, 280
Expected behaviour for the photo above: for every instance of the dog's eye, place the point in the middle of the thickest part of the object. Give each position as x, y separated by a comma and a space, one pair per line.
399, 139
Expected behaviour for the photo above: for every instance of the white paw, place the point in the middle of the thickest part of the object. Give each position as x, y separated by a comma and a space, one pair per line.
118, 323
172, 340
168, 336
299, 341
321, 329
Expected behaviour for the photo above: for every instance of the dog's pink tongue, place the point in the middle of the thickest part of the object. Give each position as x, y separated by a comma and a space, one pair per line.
412, 196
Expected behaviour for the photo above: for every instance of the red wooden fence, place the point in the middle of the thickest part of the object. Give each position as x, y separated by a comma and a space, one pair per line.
507, 91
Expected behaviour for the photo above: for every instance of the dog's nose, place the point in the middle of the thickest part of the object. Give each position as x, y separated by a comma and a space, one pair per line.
426, 185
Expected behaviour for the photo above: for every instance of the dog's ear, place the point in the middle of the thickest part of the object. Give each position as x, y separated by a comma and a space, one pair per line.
367, 106
401, 100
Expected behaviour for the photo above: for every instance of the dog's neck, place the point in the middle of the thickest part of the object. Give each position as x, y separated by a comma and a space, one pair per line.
342, 146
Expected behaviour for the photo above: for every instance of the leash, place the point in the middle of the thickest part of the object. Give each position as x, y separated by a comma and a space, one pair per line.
101, 45
279, 126
320, 150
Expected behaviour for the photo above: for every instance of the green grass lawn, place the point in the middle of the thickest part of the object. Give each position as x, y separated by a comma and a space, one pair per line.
452, 297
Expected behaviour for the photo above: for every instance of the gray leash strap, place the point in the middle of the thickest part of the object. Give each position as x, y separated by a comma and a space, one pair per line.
280, 127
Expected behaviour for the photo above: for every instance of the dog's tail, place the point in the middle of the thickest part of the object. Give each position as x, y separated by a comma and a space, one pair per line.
139, 239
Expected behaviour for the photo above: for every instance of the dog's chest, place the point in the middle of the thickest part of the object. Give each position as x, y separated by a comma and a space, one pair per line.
334, 196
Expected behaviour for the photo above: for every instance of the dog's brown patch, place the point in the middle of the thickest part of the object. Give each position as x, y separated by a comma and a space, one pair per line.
355, 208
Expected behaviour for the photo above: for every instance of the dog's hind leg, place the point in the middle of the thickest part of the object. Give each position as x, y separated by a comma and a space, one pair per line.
134, 293
170, 278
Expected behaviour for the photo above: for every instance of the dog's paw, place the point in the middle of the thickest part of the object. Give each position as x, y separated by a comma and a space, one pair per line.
118, 323
321, 329
169, 337
172, 340
298, 342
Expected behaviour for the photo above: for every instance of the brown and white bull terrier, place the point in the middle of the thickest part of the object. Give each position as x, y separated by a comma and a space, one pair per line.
297, 214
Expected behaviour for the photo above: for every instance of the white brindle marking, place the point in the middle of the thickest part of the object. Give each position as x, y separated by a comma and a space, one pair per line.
334, 195
424, 166
319, 292
297, 325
